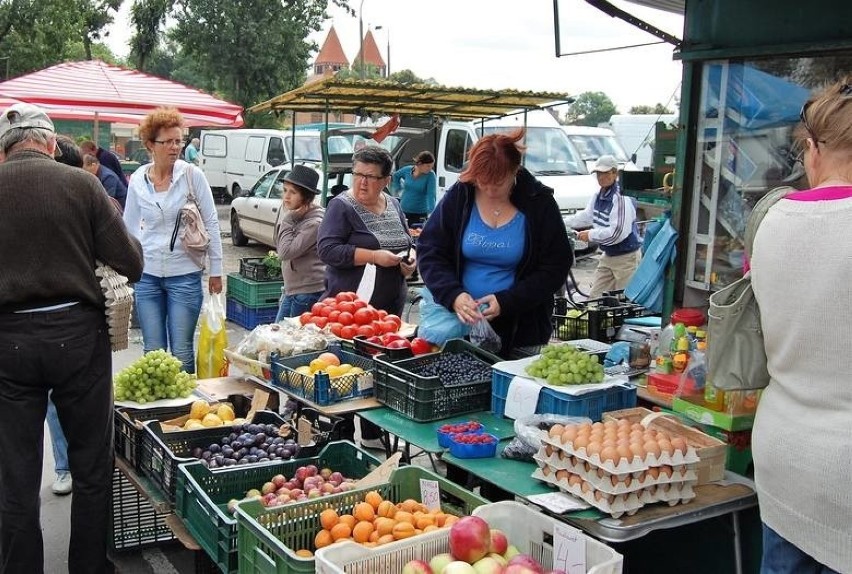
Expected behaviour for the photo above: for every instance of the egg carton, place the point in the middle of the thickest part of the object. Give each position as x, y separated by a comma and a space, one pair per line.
118, 305
677, 458
614, 505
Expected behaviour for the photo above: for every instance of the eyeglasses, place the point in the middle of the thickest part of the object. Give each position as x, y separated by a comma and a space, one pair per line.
845, 90
368, 177
174, 143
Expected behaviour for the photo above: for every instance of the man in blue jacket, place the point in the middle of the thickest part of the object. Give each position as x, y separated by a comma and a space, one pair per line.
612, 218
115, 188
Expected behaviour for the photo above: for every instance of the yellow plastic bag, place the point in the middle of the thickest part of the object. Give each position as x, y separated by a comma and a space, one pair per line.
212, 341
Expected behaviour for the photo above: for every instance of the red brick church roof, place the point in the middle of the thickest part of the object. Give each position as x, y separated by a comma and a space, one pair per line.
331, 51
372, 55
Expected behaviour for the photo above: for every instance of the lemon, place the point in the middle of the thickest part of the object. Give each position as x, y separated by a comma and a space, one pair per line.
225, 412
346, 367
192, 424
211, 420
198, 409
356, 371
318, 365
336, 371
305, 370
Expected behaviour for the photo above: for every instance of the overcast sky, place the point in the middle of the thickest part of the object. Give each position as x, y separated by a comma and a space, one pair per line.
509, 44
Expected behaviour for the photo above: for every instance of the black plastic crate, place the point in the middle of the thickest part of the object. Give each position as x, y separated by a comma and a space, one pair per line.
254, 269
595, 320
367, 349
324, 429
427, 398
163, 452
134, 522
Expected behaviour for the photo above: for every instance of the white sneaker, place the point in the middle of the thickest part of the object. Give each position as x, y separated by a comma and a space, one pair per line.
373, 443
63, 484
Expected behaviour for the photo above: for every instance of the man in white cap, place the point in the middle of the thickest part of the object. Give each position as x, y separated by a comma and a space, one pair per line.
612, 218
55, 222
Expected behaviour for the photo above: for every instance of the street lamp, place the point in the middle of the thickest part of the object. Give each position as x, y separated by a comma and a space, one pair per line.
361, 35
387, 31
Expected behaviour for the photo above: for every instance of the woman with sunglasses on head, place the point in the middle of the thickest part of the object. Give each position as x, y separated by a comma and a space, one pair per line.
365, 226
801, 273
170, 293
496, 247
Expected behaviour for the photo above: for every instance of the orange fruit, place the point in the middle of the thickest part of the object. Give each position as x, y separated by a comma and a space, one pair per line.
374, 536
430, 528
386, 508
341, 530
424, 521
323, 539
364, 511
385, 539
374, 498
410, 505
348, 519
384, 525
304, 553
328, 518
362, 531
403, 530
450, 520
440, 517
403, 516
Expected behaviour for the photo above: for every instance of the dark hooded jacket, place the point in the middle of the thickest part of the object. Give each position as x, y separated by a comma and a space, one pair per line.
527, 307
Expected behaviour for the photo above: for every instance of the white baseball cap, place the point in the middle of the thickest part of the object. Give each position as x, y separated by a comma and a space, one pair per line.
24, 116
605, 163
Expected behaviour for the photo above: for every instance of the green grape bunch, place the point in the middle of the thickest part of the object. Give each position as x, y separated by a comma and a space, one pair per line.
566, 365
156, 375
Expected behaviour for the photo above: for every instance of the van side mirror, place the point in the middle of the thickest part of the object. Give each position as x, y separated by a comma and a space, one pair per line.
633, 158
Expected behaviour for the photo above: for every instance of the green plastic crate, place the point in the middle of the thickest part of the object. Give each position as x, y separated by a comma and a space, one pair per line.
202, 495
254, 293
267, 538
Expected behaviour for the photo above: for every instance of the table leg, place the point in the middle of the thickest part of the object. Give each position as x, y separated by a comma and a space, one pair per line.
738, 554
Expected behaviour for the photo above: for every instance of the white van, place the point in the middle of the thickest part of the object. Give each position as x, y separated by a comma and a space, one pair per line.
637, 133
233, 160
550, 156
594, 142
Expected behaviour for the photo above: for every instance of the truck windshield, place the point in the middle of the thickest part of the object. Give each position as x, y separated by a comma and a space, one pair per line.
549, 151
594, 146
308, 146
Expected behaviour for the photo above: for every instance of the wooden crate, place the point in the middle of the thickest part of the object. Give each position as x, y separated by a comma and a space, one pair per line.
712, 451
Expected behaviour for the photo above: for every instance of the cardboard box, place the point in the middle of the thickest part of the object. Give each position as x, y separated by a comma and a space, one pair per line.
693, 408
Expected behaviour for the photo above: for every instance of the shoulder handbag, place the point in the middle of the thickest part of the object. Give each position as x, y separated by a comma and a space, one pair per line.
736, 357
193, 234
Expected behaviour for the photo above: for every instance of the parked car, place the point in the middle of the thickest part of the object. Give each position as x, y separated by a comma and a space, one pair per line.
255, 213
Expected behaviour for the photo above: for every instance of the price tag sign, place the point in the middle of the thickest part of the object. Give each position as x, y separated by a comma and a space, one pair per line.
430, 494
569, 549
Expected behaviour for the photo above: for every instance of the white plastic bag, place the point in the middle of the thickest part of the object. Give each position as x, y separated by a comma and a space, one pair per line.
212, 341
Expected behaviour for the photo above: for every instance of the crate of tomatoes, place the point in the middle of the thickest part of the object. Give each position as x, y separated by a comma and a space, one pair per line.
345, 316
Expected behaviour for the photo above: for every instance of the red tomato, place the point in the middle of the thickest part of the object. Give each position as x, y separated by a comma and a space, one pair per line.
399, 344
388, 337
420, 346
348, 331
333, 316
335, 329
320, 321
305, 318
345, 318
366, 330
346, 307
358, 304
382, 313
395, 319
363, 316
317, 307
329, 301
326, 311
345, 296
389, 327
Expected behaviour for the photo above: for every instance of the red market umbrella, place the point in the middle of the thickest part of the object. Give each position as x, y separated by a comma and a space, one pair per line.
95, 90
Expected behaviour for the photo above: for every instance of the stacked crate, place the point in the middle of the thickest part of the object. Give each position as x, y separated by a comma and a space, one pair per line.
250, 302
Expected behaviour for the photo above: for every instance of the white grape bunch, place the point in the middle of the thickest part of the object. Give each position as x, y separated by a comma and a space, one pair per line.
566, 365
156, 375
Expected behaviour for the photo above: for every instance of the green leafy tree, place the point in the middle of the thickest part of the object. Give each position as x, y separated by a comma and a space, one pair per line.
590, 109
657, 109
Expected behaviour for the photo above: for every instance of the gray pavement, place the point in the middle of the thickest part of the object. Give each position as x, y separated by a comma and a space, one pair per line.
170, 558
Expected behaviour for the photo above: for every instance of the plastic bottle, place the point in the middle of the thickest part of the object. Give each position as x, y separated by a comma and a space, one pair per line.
714, 398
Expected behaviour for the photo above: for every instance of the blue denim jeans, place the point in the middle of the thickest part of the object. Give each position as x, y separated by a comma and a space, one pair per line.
57, 439
295, 305
168, 310
782, 557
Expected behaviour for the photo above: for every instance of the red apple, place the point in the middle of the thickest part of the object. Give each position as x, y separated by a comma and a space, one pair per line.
499, 558
278, 480
399, 344
487, 565
458, 567
267, 488
470, 539
510, 553
420, 346
416, 567
527, 562
439, 562
499, 542
301, 474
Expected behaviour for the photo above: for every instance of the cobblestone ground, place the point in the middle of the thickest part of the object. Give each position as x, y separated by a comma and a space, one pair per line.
173, 558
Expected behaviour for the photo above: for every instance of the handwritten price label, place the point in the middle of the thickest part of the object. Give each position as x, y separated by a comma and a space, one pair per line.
569, 549
430, 494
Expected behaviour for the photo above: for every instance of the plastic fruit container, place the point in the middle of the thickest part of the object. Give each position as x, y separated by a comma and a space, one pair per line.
482, 449
445, 431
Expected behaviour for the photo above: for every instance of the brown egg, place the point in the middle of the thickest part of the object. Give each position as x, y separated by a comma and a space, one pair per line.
610, 425
585, 487
545, 470
562, 455
637, 426
653, 472
652, 447
594, 447
623, 423
680, 444
608, 442
599, 495
636, 435
665, 446
568, 435
556, 431
638, 450
574, 479
666, 471
548, 450
597, 425
610, 453
562, 474
663, 435
624, 452
581, 442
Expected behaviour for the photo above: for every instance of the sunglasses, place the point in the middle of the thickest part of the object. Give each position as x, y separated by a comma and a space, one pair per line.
845, 91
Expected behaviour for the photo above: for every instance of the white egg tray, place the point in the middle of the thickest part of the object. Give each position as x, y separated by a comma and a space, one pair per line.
628, 503
623, 466
619, 484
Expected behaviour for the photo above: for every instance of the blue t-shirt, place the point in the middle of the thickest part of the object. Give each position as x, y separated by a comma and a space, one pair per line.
417, 193
491, 255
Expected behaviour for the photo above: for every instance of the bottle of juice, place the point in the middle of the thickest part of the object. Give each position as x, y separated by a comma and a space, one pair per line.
714, 398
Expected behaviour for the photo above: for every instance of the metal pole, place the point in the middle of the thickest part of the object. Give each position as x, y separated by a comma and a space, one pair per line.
361, 36
388, 72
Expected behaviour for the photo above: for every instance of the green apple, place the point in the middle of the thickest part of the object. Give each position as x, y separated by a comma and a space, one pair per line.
511, 552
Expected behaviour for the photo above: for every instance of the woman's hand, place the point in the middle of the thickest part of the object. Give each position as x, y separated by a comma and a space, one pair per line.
466, 309
492, 309
214, 284
384, 258
408, 266
584, 235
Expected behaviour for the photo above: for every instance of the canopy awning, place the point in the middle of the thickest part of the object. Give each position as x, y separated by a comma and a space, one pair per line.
365, 97
95, 90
